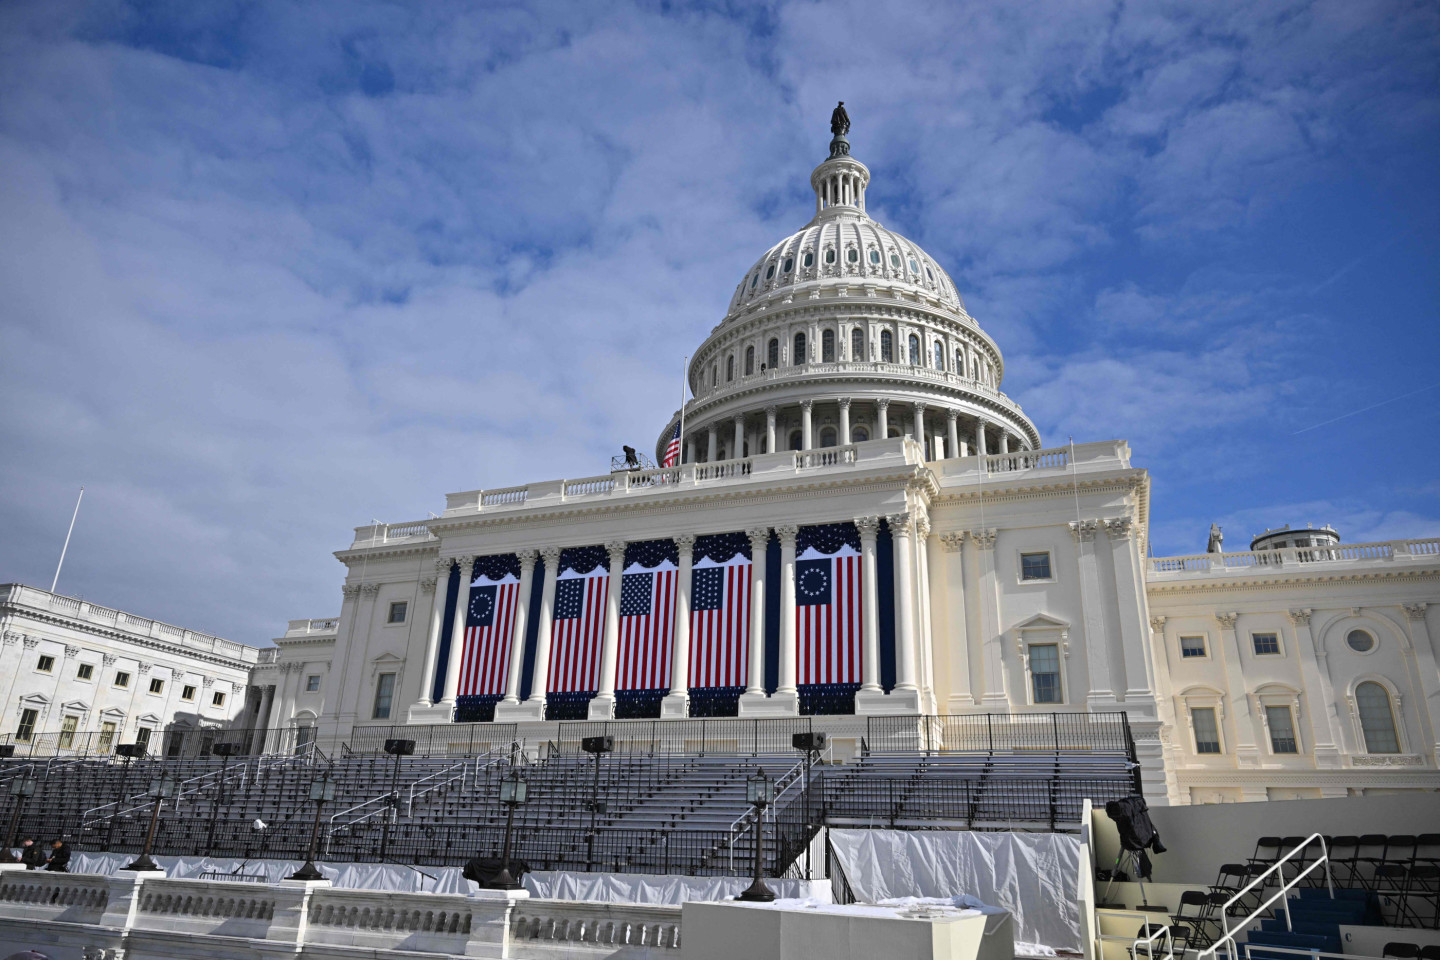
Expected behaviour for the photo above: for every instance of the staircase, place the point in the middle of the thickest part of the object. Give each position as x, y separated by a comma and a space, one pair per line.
1315, 921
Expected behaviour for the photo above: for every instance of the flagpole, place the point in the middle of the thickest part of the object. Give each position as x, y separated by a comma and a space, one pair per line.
684, 376
67, 540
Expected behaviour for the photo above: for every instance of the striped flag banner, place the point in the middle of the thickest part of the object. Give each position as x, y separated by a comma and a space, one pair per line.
489, 628
578, 630
720, 623
828, 616
647, 626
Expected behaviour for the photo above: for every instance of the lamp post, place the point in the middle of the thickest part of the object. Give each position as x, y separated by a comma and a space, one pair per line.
595, 746
161, 789
514, 791
397, 749
22, 788
129, 751
224, 751
759, 792
322, 791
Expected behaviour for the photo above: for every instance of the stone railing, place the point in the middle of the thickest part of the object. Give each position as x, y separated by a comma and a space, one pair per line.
840, 368
306, 628
375, 534
16, 593
603, 927
1291, 559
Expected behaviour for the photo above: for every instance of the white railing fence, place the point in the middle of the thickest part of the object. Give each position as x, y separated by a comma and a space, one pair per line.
1281, 895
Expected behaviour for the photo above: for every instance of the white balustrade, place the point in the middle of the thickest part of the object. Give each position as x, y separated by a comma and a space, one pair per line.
589, 486
503, 497
1295, 558
600, 926
825, 457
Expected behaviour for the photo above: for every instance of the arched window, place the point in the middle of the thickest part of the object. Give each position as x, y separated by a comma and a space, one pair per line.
730, 368
772, 353
830, 255
827, 346
914, 350
960, 362
895, 260
1377, 719
859, 434
939, 355
809, 259
714, 374
857, 344
887, 346
796, 439
789, 264
827, 436
894, 432
799, 356
770, 272
720, 453
874, 256
852, 255
749, 360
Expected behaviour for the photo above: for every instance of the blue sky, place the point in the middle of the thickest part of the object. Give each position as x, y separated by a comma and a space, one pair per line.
270, 270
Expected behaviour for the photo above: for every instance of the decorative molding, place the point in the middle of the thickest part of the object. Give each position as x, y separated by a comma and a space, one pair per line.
616, 550
370, 590
427, 585
869, 527
1083, 530
1119, 528
443, 565
684, 542
1301, 617
551, 556
145, 666
844, 404
177, 674
899, 524
31, 642
1157, 624
527, 560
922, 526
108, 659
759, 540
350, 591
984, 539
11, 638
1386, 760
71, 651
787, 533
1415, 611
952, 542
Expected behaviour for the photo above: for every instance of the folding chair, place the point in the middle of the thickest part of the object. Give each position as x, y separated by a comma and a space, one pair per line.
1401, 950
1342, 860
1369, 853
1420, 899
1198, 919
1267, 851
1430, 951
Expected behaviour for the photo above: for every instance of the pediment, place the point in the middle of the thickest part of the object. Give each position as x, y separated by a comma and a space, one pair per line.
113, 713
79, 706
1042, 621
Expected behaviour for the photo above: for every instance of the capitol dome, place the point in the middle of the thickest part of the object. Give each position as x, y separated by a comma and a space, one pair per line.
845, 332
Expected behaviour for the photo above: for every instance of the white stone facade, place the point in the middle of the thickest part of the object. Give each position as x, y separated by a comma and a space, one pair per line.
71, 668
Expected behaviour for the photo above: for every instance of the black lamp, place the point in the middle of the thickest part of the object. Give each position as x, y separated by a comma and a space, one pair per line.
514, 791
22, 788
322, 791
161, 789
759, 793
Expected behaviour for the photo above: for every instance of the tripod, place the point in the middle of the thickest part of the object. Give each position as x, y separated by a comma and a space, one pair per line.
1129, 860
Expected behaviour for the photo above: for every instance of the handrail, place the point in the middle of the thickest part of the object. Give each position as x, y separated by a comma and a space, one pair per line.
1228, 936
738, 825
1149, 942
448, 773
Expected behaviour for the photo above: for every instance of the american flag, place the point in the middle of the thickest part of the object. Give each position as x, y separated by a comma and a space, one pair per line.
672, 450
827, 616
647, 625
489, 622
720, 623
578, 630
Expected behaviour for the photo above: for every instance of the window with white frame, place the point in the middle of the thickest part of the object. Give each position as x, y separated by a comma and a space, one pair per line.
1265, 644
218, 699
85, 671
1207, 729
157, 685
312, 683
187, 692
1192, 647
1377, 718
1045, 673
122, 678
1035, 566
45, 664
398, 611
26, 730
1281, 721
68, 725
384, 696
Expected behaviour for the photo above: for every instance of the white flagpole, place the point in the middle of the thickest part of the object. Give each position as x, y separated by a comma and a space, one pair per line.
67, 540
684, 376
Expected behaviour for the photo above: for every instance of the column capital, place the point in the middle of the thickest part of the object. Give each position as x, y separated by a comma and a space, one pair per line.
443, 565
31, 642
920, 406
616, 549
684, 542
952, 542
373, 589
739, 418
350, 591
759, 540
177, 674
787, 533
1415, 611
807, 403
527, 560
1119, 528
952, 415
981, 422
550, 555
108, 659
1227, 620
427, 585
844, 403
1083, 530
1301, 617
771, 412
72, 651
984, 539
869, 527
11, 638
922, 526
882, 403
899, 524
1157, 624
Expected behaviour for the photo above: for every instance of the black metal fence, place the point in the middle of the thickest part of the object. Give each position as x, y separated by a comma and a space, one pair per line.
1002, 733
181, 743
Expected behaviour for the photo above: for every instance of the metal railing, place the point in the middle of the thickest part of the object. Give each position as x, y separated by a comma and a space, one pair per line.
1282, 895
1002, 732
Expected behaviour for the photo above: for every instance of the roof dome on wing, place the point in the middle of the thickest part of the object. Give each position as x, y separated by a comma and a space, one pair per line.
842, 245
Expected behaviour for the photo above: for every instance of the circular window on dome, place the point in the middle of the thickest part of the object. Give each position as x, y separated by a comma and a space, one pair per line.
895, 260
830, 255
874, 256
771, 272
809, 260
789, 264
1360, 641
852, 255
914, 267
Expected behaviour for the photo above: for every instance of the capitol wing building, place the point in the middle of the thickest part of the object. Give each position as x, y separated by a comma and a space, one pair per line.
861, 524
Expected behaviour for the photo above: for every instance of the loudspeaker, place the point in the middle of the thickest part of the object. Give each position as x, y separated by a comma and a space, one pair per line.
129, 750
598, 744
7, 750
808, 741
400, 748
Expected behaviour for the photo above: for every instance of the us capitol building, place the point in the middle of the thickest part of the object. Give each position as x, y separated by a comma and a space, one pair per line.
862, 523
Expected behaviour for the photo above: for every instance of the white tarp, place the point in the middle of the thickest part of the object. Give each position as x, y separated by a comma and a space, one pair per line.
547, 884
1032, 875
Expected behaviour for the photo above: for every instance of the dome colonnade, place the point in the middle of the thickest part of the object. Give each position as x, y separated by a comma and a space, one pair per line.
845, 332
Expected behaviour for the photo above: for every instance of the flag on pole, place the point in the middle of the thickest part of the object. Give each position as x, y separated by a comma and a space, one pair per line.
672, 450
489, 630
828, 614
578, 630
720, 623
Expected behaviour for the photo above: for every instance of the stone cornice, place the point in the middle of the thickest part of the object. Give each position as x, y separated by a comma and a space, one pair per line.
1237, 584
118, 636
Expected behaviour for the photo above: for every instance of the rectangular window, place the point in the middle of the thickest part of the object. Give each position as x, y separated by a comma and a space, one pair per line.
85, 671
122, 679
398, 609
157, 685
1192, 647
67, 732
107, 736
218, 700
1282, 729
1035, 566
1266, 644
45, 664
384, 693
26, 730
1207, 732
187, 692
1045, 672
312, 683
142, 739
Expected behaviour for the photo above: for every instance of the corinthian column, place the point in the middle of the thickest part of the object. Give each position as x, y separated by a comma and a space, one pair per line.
807, 437
602, 707
540, 676
952, 433
844, 420
431, 586
869, 527
787, 534
770, 413
677, 701
882, 416
517, 635
457, 633
904, 603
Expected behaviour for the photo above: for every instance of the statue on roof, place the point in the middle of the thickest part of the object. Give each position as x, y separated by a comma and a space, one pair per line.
840, 120
1216, 540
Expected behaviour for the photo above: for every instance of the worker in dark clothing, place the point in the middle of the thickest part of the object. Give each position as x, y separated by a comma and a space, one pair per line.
59, 861
32, 854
